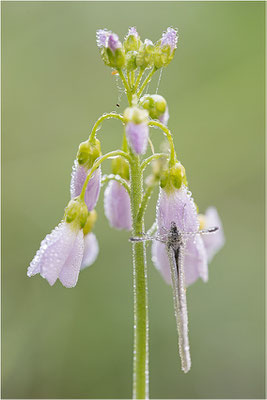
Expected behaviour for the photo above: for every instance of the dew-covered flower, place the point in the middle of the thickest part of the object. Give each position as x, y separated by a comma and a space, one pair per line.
137, 130
117, 206
137, 135
178, 206
78, 176
61, 252
91, 250
215, 241
60, 255
165, 48
169, 39
111, 48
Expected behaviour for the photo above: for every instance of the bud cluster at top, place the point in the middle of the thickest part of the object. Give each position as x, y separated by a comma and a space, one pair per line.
134, 53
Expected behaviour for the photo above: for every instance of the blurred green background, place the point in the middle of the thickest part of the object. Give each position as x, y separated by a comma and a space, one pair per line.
62, 343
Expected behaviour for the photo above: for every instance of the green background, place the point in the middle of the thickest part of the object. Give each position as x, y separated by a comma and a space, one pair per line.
62, 343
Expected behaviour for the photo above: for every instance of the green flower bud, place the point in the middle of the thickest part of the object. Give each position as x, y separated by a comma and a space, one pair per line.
88, 152
145, 56
90, 222
76, 212
131, 61
155, 104
120, 167
162, 56
136, 115
132, 40
173, 177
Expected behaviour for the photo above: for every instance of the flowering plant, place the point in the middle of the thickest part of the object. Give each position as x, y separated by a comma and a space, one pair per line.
72, 245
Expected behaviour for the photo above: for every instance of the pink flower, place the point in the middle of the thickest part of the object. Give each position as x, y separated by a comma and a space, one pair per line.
137, 136
78, 176
60, 255
117, 206
178, 206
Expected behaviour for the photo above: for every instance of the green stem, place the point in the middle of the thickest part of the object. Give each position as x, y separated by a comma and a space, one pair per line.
117, 178
146, 81
148, 160
140, 362
138, 80
169, 137
143, 206
132, 78
101, 119
128, 90
96, 164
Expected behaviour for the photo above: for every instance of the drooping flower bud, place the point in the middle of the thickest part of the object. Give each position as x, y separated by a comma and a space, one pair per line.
178, 206
136, 120
119, 166
165, 48
111, 49
78, 176
173, 178
156, 106
132, 40
61, 252
88, 152
117, 206
145, 56
76, 212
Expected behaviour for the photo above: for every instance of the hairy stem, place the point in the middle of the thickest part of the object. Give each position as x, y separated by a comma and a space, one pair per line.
148, 160
98, 161
140, 354
167, 132
146, 81
144, 203
117, 178
101, 119
128, 90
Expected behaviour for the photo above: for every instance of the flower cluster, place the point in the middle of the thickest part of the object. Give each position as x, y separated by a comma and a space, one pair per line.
72, 245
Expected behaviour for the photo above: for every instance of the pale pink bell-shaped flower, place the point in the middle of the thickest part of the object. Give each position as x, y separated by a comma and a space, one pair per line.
137, 136
178, 206
215, 241
60, 255
117, 206
78, 176
91, 250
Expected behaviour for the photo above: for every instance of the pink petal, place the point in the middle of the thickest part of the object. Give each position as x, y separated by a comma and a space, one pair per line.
78, 176
70, 271
117, 206
161, 260
180, 208
91, 250
215, 241
53, 253
137, 136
